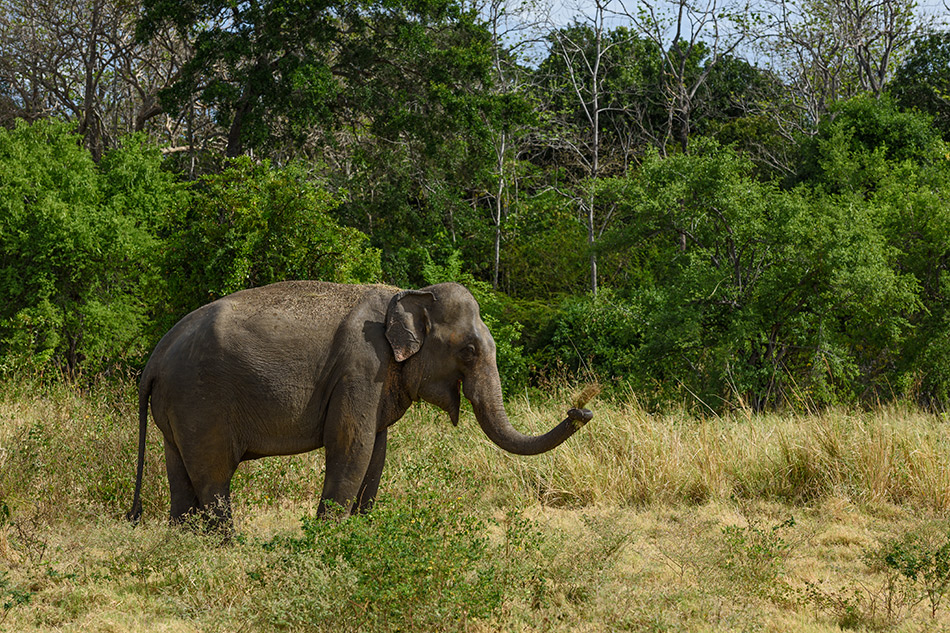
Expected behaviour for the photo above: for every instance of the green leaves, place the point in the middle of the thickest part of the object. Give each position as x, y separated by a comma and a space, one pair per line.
254, 224
274, 70
78, 255
412, 564
96, 262
744, 293
923, 80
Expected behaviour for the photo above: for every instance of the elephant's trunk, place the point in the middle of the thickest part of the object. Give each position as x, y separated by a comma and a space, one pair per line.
491, 416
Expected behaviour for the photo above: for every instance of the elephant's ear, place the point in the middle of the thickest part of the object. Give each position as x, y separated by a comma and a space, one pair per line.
407, 322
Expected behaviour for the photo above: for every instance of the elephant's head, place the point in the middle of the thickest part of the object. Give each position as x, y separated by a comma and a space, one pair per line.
439, 336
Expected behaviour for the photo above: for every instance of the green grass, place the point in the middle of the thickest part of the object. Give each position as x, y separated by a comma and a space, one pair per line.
639, 522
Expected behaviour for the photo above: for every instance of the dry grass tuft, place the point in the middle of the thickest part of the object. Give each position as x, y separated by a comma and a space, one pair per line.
588, 393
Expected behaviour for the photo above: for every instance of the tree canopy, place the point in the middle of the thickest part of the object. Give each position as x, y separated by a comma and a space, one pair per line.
741, 207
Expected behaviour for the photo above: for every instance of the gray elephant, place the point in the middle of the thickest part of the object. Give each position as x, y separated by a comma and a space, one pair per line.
293, 366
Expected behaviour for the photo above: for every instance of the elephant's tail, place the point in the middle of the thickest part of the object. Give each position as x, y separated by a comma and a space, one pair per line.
145, 390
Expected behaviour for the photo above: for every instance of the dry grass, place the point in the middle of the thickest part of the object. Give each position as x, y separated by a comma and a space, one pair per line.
629, 457
638, 522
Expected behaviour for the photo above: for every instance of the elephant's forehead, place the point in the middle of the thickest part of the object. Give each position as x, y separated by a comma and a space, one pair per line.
469, 329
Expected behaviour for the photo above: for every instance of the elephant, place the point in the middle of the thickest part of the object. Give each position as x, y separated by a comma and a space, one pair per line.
294, 366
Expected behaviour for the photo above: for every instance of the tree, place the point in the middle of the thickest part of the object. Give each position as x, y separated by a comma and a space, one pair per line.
277, 71
508, 130
693, 38
80, 276
923, 80
575, 74
867, 131
253, 224
78, 61
830, 50
744, 293
874, 155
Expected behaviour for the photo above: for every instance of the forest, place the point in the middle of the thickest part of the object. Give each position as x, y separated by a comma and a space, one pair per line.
732, 218
715, 204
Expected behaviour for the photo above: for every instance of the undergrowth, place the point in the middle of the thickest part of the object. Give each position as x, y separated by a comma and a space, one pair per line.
638, 522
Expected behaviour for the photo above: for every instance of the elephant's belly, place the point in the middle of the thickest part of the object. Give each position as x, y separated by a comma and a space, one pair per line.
281, 439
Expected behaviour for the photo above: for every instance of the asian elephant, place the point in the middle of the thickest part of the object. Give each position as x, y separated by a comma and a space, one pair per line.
293, 366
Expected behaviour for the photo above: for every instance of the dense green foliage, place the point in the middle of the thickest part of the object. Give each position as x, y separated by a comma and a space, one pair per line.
741, 291
660, 215
273, 70
79, 268
923, 80
252, 225
98, 260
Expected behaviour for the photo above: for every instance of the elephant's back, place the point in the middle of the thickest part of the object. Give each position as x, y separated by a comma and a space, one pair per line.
305, 299
290, 322
268, 348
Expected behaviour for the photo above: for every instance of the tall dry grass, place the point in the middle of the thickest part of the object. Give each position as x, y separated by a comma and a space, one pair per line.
74, 451
639, 521
627, 456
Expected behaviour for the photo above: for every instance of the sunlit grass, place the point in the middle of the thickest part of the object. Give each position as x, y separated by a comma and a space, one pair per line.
637, 522
628, 457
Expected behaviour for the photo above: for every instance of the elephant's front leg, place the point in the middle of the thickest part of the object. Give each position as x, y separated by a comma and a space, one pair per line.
367, 494
349, 452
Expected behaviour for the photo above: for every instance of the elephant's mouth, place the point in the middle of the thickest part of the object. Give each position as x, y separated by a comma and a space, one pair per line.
455, 402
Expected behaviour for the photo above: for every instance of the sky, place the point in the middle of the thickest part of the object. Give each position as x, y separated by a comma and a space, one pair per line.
545, 14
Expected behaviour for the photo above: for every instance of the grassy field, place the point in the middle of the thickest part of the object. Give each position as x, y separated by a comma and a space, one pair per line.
637, 523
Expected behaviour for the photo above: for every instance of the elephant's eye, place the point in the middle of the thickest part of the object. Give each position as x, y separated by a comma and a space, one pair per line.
468, 353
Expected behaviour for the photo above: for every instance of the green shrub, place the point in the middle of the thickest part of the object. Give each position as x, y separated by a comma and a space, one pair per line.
79, 256
921, 558
865, 126
544, 248
416, 563
754, 557
254, 224
600, 335
743, 294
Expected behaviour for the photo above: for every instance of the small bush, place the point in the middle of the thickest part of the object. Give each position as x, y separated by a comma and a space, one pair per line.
754, 556
921, 558
414, 564
11, 596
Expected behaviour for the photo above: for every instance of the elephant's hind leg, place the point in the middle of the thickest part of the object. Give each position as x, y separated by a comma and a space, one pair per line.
212, 481
216, 505
200, 480
184, 499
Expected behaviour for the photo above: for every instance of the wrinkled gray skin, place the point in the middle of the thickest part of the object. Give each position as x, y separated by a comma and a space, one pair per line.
294, 366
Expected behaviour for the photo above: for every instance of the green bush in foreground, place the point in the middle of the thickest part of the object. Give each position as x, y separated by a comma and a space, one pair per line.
413, 564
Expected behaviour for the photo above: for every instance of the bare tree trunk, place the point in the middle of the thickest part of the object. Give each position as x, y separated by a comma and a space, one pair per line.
91, 126
235, 142
582, 69
499, 205
505, 18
